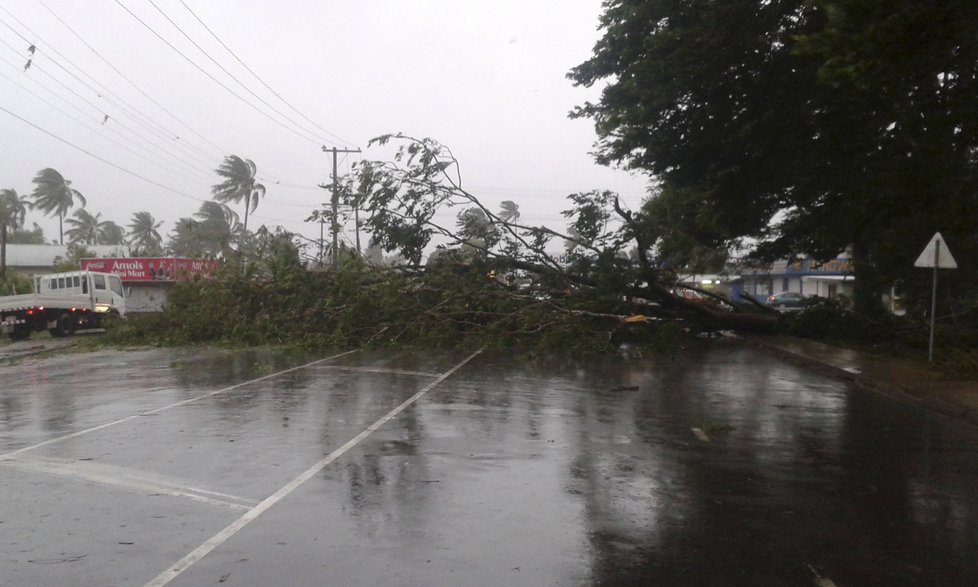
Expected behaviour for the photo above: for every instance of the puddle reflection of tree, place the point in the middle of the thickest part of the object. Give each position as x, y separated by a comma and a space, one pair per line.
387, 479
911, 476
663, 507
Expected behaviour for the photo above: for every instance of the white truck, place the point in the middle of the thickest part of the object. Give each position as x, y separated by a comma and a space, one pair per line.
63, 303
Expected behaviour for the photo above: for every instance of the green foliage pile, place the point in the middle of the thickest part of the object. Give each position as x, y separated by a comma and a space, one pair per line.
13, 283
447, 305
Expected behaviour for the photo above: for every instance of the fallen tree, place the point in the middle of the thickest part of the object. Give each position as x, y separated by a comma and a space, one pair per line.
611, 252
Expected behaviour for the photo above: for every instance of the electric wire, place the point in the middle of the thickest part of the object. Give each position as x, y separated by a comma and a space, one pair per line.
146, 95
112, 130
103, 91
102, 159
143, 140
257, 77
298, 133
149, 159
222, 68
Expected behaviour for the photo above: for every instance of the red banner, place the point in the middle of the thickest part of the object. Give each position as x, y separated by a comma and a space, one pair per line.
160, 269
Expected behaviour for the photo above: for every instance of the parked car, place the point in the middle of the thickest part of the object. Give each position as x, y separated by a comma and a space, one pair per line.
787, 300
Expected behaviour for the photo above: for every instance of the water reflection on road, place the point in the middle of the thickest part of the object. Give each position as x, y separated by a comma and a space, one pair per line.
721, 466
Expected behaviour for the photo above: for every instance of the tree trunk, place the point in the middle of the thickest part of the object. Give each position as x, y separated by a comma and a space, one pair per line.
869, 285
3, 251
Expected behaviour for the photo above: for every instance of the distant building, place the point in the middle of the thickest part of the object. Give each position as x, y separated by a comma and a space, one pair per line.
827, 279
148, 280
31, 259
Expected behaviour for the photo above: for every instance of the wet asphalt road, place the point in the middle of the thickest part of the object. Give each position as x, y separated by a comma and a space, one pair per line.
726, 466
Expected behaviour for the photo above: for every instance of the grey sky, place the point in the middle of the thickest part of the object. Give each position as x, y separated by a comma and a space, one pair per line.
486, 78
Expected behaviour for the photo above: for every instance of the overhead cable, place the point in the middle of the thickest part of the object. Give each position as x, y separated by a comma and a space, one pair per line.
102, 159
229, 74
257, 77
308, 137
133, 84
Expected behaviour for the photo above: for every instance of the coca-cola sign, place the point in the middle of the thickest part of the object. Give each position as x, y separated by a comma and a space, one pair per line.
161, 269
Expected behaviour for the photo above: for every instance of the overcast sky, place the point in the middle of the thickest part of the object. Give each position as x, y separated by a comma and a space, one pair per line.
484, 77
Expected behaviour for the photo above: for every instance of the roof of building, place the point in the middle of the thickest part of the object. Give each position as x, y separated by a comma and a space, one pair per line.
46, 255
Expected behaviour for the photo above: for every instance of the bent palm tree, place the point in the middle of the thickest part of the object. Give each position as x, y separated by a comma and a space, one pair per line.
84, 227
239, 184
509, 211
211, 234
13, 212
144, 234
110, 233
54, 195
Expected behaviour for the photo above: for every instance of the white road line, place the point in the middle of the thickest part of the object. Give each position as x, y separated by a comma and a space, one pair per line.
821, 581
701, 435
12, 454
204, 549
379, 370
128, 479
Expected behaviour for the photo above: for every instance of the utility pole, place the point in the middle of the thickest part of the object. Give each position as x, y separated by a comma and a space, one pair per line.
335, 224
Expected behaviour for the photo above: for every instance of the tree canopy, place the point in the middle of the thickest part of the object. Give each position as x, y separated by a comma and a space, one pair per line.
13, 212
90, 229
807, 127
239, 185
144, 234
54, 196
210, 233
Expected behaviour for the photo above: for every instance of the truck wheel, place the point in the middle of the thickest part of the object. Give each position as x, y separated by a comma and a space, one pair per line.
65, 325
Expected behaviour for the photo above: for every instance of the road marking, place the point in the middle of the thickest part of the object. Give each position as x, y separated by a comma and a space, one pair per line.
820, 581
700, 434
379, 370
128, 479
221, 537
13, 454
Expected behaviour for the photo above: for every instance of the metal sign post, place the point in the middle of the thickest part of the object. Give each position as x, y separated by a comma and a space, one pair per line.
939, 257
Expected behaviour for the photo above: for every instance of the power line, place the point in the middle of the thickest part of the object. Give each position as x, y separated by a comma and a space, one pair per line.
311, 138
103, 160
257, 77
167, 148
163, 146
86, 125
111, 128
222, 68
134, 85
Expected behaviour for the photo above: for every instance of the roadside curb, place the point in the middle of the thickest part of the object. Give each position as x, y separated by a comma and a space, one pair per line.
8, 354
890, 389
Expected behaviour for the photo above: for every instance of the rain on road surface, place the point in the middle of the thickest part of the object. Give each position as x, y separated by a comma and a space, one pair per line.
725, 466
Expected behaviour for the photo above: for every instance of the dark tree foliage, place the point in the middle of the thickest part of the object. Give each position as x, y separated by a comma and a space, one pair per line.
811, 127
400, 200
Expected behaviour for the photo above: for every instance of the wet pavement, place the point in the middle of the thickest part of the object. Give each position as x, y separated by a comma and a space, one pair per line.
926, 385
727, 465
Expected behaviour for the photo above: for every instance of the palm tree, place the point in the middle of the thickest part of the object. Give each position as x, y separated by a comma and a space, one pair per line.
210, 233
110, 233
54, 195
84, 227
183, 241
13, 212
510, 211
90, 229
239, 184
144, 234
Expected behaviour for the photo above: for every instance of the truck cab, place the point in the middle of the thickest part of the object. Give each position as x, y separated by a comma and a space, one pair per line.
104, 290
63, 303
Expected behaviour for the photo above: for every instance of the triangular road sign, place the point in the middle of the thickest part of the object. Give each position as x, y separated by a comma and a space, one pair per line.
936, 254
